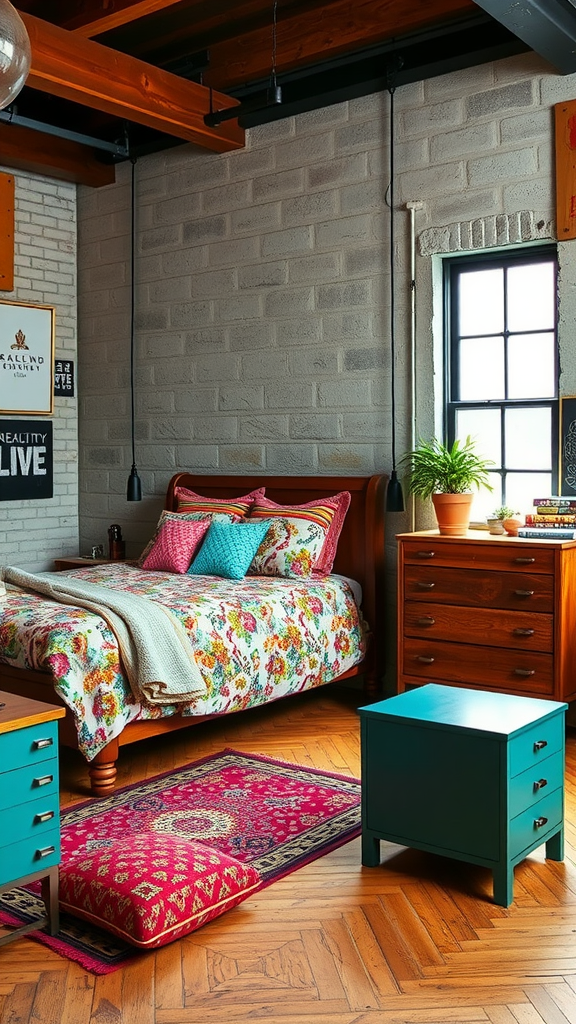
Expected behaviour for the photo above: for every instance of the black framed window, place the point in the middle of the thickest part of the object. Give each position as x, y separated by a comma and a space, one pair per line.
502, 369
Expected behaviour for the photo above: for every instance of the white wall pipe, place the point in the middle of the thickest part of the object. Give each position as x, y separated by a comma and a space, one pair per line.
413, 206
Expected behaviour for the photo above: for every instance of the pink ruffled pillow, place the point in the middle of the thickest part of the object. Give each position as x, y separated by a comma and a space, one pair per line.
327, 512
176, 545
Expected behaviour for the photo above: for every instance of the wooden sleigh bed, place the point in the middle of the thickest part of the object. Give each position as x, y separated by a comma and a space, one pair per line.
359, 556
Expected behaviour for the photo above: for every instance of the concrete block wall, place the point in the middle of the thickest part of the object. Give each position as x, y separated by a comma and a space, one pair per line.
263, 286
34, 532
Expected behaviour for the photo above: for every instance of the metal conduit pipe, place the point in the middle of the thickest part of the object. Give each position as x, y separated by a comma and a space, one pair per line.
413, 206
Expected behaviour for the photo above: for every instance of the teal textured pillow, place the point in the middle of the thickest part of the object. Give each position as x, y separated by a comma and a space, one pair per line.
228, 549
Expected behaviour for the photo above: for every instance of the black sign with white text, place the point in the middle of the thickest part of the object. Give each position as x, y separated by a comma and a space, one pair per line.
64, 378
26, 460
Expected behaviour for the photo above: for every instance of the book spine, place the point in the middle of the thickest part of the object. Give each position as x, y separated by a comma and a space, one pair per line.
554, 510
551, 520
543, 533
557, 500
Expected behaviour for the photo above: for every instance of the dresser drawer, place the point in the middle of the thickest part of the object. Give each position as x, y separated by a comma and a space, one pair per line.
30, 820
28, 746
25, 784
536, 782
531, 748
539, 820
493, 668
495, 556
502, 628
29, 856
472, 588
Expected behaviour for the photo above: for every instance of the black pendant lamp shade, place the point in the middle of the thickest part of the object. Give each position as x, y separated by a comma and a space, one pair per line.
394, 495
134, 489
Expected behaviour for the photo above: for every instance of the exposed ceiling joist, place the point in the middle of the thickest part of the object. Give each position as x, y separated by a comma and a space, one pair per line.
77, 69
92, 20
548, 26
35, 152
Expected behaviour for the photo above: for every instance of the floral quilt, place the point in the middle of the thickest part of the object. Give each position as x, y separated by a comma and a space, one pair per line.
254, 640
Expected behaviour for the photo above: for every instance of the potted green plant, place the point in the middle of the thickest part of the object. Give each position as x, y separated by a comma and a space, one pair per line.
447, 475
496, 519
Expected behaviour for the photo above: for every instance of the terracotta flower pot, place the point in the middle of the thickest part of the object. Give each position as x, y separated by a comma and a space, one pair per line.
453, 513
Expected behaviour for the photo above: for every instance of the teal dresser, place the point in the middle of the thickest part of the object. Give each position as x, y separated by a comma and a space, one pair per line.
29, 802
469, 774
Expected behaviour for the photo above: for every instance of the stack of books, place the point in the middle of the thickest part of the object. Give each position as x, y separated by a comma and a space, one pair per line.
553, 517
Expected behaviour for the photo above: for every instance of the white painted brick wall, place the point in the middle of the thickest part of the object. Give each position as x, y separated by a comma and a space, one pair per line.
34, 532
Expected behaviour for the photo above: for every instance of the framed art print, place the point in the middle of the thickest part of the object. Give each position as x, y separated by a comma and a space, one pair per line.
26, 359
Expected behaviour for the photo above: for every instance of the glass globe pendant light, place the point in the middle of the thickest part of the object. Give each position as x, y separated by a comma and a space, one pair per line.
15, 53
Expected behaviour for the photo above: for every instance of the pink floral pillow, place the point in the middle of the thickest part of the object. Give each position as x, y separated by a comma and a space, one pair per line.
291, 547
151, 889
176, 545
326, 512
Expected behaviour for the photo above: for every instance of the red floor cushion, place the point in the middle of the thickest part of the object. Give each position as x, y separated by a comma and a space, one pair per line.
150, 889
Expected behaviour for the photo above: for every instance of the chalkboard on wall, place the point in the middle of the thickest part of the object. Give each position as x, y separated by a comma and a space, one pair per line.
26, 460
567, 446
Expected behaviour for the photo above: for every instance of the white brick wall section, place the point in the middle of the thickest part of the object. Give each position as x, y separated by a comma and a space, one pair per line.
34, 532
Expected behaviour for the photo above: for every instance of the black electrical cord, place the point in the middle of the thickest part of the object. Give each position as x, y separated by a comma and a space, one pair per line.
134, 488
394, 495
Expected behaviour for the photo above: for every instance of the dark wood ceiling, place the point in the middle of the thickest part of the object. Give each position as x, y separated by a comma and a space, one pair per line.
149, 70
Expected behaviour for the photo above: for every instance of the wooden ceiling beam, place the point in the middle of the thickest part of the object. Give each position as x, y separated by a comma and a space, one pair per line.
317, 35
83, 71
28, 150
93, 19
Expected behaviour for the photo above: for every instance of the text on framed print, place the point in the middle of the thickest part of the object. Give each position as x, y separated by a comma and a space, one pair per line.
26, 460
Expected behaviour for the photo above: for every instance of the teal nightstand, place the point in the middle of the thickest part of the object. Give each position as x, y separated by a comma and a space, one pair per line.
469, 774
29, 803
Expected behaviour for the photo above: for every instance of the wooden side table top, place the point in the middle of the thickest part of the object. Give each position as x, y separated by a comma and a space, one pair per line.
18, 712
78, 561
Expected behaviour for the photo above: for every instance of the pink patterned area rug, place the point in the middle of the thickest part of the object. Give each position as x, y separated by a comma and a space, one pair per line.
273, 815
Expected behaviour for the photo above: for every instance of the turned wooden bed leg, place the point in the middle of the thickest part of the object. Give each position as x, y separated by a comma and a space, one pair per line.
102, 770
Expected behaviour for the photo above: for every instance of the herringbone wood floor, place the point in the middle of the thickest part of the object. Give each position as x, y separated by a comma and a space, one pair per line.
415, 940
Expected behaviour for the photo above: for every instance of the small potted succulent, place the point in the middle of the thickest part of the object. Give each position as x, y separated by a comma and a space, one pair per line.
496, 519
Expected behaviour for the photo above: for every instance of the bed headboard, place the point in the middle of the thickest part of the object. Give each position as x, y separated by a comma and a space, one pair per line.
360, 553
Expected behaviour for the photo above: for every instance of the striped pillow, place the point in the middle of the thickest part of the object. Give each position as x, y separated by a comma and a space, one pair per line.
189, 501
328, 513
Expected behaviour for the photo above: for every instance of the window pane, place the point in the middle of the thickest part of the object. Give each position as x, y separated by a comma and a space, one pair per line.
483, 425
531, 297
482, 302
528, 438
481, 369
522, 488
531, 372
484, 501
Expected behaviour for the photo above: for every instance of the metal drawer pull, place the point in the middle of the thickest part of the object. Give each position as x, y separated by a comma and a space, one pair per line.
525, 672
424, 660
43, 780
40, 744
426, 620
540, 744
47, 850
524, 593
425, 586
539, 784
524, 561
523, 632
539, 822
44, 816
425, 554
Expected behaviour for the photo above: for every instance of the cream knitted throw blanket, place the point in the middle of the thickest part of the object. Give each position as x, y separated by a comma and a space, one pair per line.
156, 652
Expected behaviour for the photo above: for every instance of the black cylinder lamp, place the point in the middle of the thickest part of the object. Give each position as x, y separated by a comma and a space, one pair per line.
394, 495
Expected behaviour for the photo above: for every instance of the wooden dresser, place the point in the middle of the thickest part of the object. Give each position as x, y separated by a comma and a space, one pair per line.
496, 613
